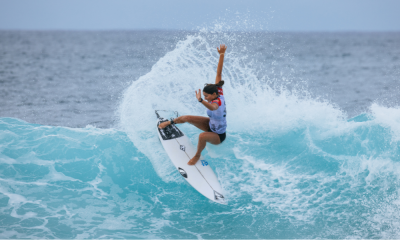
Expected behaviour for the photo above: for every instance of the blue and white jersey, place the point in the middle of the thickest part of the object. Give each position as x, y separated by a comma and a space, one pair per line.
218, 117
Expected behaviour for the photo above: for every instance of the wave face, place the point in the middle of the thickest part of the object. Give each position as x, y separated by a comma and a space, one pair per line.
292, 166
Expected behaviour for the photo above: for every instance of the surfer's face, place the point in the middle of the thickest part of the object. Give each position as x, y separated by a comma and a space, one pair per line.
209, 97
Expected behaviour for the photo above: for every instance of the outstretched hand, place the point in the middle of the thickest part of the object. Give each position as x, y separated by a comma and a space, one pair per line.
221, 49
198, 95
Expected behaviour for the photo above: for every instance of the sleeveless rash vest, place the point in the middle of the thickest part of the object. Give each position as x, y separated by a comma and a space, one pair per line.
218, 117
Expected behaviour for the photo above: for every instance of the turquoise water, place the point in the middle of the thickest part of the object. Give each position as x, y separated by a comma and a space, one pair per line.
59, 182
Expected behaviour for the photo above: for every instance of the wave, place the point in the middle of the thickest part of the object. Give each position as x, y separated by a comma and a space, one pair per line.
292, 166
95, 181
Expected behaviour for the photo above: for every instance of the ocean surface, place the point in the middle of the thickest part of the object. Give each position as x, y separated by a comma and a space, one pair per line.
312, 147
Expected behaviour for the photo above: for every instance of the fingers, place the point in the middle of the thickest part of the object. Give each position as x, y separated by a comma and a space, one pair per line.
222, 48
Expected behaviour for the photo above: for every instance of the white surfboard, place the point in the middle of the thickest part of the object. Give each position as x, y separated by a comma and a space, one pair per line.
180, 150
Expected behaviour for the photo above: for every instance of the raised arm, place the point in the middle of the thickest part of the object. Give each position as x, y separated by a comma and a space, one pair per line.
221, 51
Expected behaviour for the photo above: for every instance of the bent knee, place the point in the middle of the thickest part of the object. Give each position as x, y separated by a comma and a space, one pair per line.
203, 135
212, 138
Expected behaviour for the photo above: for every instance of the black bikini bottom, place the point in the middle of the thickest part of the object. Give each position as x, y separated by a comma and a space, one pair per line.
221, 136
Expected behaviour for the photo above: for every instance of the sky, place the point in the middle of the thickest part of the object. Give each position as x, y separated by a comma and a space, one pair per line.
271, 15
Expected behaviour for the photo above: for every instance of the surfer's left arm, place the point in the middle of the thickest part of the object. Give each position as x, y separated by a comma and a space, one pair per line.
221, 51
211, 106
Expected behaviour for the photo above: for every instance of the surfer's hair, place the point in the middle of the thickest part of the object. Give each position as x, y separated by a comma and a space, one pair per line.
212, 88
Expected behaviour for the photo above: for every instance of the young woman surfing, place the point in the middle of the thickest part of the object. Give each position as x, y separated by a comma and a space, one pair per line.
214, 126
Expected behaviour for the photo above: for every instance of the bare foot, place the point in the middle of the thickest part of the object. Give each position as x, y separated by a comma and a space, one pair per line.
194, 160
164, 124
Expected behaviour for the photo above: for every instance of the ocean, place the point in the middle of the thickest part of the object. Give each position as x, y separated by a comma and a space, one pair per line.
312, 147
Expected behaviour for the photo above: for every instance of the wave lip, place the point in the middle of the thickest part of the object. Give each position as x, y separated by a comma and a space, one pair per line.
287, 154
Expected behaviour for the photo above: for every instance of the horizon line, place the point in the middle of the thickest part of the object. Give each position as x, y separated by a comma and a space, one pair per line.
191, 30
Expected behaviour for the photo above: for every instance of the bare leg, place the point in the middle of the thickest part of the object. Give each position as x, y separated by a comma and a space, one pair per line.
204, 137
202, 124
198, 121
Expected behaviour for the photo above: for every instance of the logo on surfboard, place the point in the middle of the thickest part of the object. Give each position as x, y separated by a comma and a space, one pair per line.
182, 172
182, 148
204, 162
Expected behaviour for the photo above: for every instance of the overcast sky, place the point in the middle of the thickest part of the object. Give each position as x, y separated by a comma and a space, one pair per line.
273, 15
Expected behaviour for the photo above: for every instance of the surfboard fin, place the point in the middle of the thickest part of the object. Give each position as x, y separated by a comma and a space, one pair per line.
158, 116
218, 196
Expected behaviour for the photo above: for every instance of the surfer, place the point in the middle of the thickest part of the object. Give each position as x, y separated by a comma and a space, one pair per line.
214, 126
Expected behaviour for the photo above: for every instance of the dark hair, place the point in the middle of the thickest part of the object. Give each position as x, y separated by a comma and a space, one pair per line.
212, 88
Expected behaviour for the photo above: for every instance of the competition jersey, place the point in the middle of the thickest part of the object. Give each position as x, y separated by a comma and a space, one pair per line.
218, 117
